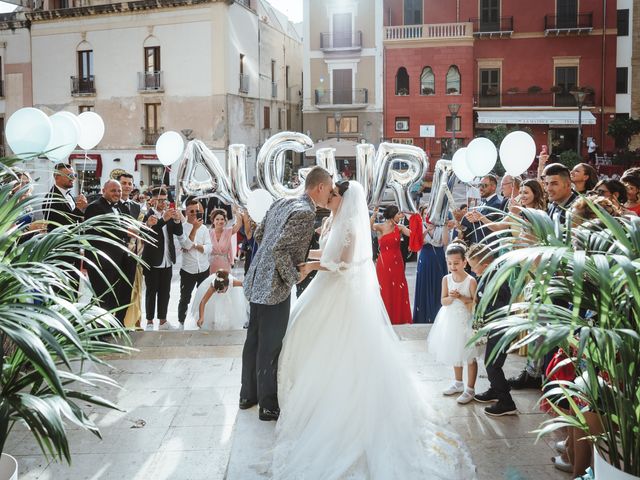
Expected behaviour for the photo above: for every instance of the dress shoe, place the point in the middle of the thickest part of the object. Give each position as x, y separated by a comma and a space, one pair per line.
501, 409
268, 415
245, 403
524, 380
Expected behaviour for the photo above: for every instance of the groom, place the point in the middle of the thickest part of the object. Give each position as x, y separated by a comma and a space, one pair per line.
284, 237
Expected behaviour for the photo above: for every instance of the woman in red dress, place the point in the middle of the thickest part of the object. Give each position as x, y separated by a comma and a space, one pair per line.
390, 265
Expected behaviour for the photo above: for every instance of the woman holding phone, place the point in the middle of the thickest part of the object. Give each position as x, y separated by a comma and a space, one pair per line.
222, 241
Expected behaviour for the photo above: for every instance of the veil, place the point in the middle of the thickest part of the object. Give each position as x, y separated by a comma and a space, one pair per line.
349, 242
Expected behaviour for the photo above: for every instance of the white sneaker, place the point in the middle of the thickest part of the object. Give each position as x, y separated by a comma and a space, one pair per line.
454, 388
164, 326
466, 396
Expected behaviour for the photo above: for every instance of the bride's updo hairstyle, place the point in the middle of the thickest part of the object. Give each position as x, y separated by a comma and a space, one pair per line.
390, 212
342, 187
456, 248
221, 281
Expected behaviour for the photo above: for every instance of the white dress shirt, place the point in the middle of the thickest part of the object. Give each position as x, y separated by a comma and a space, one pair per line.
66, 193
194, 261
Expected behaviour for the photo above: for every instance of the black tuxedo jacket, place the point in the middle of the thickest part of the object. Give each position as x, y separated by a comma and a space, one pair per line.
57, 210
153, 253
101, 207
130, 208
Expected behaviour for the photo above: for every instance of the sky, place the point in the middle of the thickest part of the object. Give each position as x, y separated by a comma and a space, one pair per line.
292, 8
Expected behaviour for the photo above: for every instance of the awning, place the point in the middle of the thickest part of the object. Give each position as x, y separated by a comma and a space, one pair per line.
143, 156
535, 117
93, 157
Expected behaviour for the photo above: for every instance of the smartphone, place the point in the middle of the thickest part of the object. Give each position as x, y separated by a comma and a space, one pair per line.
172, 205
199, 215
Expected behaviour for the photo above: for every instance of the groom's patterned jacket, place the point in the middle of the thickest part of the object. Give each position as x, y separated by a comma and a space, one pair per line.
284, 237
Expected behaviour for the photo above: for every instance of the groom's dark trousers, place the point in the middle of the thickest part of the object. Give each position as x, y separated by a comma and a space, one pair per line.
267, 326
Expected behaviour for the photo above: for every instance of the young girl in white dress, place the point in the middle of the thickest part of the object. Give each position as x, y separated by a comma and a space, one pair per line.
452, 327
219, 304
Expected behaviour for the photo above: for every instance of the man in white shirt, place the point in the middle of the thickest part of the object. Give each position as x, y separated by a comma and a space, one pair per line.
196, 247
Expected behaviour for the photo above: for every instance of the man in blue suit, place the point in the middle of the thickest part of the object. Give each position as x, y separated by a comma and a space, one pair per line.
474, 230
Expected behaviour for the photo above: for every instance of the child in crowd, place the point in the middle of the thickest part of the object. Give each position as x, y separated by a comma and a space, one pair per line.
452, 327
219, 306
480, 257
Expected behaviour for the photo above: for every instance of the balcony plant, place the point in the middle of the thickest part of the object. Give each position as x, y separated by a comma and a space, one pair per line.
427, 91
452, 91
403, 91
557, 89
491, 92
513, 90
581, 289
534, 89
49, 343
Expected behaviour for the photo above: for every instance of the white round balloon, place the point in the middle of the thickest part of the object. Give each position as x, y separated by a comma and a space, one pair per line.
91, 130
169, 148
481, 156
28, 132
517, 152
460, 167
258, 202
64, 136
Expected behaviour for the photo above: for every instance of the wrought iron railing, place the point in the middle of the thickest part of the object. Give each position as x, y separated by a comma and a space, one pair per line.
244, 83
502, 24
83, 85
342, 97
568, 22
150, 135
274, 89
330, 41
150, 81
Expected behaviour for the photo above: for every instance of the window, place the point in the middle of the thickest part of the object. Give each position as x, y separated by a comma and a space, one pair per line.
622, 80
567, 12
266, 118
241, 64
402, 82
489, 87
427, 82
342, 30
453, 81
347, 125
273, 70
280, 119
623, 22
402, 124
413, 12
490, 15
151, 59
566, 80
342, 86
85, 108
85, 64
151, 123
450, 123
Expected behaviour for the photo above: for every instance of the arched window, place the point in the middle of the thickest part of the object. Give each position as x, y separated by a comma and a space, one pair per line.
402, 82
453, 80
427, 82
83, 83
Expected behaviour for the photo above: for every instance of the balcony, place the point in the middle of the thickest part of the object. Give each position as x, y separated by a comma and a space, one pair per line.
533, 98
428, 32
503, 27
348, 99
581, 23
244, 83
81, 86
340, 42
1, 88
150, 82
150, 135
274, 90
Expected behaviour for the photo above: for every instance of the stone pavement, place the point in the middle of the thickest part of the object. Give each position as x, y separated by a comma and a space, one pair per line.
181, 420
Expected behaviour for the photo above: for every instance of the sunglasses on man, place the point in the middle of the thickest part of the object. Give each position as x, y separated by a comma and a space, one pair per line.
70, 176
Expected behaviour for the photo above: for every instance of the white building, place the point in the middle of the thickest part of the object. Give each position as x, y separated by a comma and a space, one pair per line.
221, 71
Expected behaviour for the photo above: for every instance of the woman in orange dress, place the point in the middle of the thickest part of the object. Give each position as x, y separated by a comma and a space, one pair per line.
390, 265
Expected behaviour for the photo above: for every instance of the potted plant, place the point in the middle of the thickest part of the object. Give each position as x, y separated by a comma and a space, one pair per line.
492, 91
582, 293
403, 91
513, 90
47, 340
534, 89
427, 91
556, 89
452, 91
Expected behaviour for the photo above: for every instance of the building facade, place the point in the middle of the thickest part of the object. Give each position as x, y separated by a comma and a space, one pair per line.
499, 62
343, 88
219, 71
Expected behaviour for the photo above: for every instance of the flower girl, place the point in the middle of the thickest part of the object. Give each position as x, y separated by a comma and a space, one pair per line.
218, 305
452, 327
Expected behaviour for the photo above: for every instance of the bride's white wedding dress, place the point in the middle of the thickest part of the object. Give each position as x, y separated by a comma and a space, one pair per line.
349, 408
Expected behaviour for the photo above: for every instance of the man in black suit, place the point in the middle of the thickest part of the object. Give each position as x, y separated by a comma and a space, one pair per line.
60, 206
474, 230
160, 256
130, 207
106, 281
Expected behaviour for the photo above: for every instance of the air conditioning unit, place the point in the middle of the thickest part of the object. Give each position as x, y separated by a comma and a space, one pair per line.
402, 125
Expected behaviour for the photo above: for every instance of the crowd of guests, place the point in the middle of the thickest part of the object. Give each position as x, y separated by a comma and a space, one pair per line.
172, 236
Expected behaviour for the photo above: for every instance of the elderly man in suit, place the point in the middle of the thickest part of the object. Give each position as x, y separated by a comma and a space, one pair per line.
106, 280
160, 256
284, 237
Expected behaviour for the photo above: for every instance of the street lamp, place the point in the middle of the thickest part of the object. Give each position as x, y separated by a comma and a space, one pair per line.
337, 117
454, 108
579, 95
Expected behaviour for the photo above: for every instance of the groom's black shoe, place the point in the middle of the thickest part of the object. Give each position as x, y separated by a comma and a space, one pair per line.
524, 380
268, 415
245, 403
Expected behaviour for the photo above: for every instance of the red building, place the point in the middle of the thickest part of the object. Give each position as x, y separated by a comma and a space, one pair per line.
503, 62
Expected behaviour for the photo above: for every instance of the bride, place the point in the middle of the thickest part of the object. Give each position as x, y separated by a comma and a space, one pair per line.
349, 408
